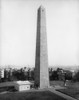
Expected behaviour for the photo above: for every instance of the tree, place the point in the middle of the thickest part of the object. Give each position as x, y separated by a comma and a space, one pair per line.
76, 77
54, 75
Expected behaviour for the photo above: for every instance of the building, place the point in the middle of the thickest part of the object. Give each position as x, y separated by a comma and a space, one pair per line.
22, 85
18, 85
1, 73
41, 61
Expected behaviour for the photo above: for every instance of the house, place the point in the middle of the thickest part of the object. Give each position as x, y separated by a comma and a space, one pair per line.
22, 85
18, 85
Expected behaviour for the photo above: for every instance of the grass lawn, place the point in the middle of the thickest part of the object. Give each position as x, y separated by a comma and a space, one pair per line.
37, 95
54, 83
72, 90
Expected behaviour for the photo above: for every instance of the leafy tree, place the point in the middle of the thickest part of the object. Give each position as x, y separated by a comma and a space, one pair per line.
54, 75
76, 77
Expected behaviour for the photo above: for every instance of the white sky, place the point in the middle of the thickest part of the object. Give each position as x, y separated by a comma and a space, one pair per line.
18, 31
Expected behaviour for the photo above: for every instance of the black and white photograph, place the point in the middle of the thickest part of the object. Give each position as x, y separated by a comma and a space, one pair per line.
39, 49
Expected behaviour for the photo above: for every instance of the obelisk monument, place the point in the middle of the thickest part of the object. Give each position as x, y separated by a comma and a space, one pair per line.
41, 61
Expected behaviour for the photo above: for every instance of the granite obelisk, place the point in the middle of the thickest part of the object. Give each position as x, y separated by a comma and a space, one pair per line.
41, 61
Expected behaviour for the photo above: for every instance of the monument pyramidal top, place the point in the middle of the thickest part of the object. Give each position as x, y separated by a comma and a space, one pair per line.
41, 7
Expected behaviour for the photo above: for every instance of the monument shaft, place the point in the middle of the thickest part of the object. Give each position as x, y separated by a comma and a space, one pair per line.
41, 63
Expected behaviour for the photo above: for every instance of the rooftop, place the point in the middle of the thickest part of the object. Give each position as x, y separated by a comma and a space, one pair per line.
22, 82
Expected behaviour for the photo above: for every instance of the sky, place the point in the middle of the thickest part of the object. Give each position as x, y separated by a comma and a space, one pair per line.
18, 31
